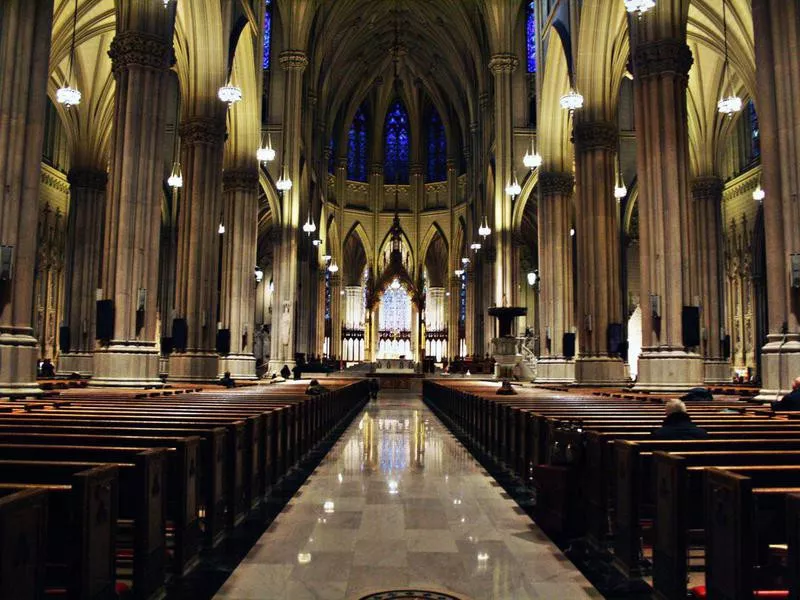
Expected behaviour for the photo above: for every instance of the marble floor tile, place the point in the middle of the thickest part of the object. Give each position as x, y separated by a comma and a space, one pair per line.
399, 502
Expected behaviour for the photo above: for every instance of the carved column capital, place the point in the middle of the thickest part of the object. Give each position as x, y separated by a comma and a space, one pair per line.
134, 48
293, 60
376, 168
87, 178
503, 63
202, 130
707, 188
556, 184
415, 168
240, 180
652, 59
483, 100
595, 135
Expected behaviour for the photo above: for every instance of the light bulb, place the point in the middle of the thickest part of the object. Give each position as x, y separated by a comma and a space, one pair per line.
175, 179
309, 227
572, 100
532, 160
730, 105
532, 277
68, 96
620, 191
230, 94
572, 232
259, 274
333, 267
221, 229
759, 194
283, 184
513, 189
475, 246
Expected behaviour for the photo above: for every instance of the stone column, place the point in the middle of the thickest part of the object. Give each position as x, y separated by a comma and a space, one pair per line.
452, 183
197, 274
452, 316
240, 199
294, 63
502, 67
131, 236
599, 292
87, 192
336, 316
661, 77
777, 39
24, 54
707, 200
555, 277
416, 188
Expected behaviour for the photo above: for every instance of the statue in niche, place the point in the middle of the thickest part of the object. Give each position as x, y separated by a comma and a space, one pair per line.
286, 323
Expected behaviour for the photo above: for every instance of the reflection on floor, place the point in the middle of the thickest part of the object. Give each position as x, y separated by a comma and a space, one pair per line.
400, 503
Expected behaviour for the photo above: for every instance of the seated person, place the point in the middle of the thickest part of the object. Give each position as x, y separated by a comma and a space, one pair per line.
790, 401
678, 425
227, 381
697, 394
48, 370
297, 371
285, 372
314, 388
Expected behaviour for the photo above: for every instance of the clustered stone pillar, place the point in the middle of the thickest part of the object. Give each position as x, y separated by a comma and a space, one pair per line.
294, 63
197, 274
598, 259
24, 58
555, 277
87, 193
660, 83
452, 316
707, 199
335, 349
777, 39
502, 67
237, 304
141, 60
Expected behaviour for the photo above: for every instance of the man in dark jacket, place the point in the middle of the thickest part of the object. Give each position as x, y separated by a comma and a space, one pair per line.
678, 425
790, 401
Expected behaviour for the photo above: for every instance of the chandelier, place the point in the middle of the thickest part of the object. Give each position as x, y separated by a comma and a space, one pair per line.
221, 228
475, 246
266, 153
620, 191
639, 6
316, 242
532, 159
309, 227
175, 179
333, 267
484, 230
464, 260
395, 284
283, 184
230, 94
513, 189
571, 101
759, 194
66, 94
459, 272
732, 104
259, 274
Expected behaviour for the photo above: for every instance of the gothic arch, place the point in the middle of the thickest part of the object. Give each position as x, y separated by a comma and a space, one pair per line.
525, 196
434, 230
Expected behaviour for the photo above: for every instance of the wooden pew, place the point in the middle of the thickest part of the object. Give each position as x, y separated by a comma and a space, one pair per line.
81, 527
142, 505
23, 539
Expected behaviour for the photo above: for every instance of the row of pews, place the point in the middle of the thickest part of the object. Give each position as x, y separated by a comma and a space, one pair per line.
115, 493
722, 513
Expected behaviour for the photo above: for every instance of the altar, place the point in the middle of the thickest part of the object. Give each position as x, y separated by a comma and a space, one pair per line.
394, 365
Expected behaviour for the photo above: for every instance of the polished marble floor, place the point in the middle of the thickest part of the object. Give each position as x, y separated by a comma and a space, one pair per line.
400, 503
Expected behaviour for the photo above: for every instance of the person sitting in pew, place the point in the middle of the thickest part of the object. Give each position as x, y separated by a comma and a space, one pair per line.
227, 381
698, 394
790, 401
285, 372
678, 424
314, 388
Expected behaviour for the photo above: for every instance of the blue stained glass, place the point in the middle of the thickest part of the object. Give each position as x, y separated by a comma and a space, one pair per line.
396, 144
530, 36
437, 148
462, 299
267, 33
755, 134
357, 147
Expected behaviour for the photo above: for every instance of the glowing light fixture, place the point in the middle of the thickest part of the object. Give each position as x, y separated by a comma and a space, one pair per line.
639, 6
284, 184
259, 274
395, 284
175, 179
571, 101
66, 94
309, 227
484, 230
459, 272
532, 159
759, 194
464, 260
475, 246
333, 267
316, 242
326, 257
513, 188
731, 104
221, 229
532, 278
229, 94
266, 153
328, 506
572, 232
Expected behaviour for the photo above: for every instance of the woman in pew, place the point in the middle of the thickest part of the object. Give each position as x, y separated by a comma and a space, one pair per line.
678, 424
790, 401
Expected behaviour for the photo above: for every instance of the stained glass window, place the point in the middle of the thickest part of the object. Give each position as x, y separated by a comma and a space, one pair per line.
437, 147
396, 144
462, 299
267, 33
395, 312
755, 134
327, 295
357, 147
530, 36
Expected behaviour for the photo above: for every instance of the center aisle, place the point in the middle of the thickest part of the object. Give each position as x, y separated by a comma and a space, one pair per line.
399, 503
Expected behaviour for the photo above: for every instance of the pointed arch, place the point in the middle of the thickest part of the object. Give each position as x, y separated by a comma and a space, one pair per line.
358, 229
271, 194
434, 230
525, 196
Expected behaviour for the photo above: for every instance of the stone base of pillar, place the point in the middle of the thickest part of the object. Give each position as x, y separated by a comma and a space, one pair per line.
505, 356
193, 366
555, 369
81, 363
669, 371
126, 365
18, 356
240, 366
275, 366
716, 370
600, 371
780, 364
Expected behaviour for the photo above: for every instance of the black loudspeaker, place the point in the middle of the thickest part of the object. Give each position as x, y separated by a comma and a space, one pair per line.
690, 322
64, 338
223, 341
180, 334
568, 343
105, 320
166, 345
615, 338
726, 347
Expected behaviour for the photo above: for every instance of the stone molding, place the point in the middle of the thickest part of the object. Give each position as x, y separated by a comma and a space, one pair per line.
652, 59
240, 180
293, 60
503, 63
202, 130
707, 188
415, 168
595, 135
375, 168
556, 184
53, 179
483, 99
135, 48
93, 179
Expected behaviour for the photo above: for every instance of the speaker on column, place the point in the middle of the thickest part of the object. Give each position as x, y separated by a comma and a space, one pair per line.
166, 346
180, 334
568, 343
105, 320
64, 338
223, 341
690, 322
615, 338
